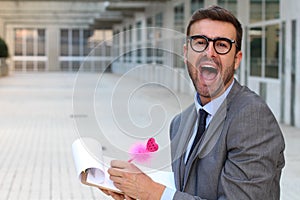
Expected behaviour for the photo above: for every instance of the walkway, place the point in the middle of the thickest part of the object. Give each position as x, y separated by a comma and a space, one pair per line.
37, 130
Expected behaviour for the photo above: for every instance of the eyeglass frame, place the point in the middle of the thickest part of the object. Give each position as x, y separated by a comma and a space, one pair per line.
230, 41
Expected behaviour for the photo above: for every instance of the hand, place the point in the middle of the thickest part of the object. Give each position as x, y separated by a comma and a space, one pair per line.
133, 182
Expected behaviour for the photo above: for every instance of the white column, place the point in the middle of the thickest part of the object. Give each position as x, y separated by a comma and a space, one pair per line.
243, 17
297, 87
288, 64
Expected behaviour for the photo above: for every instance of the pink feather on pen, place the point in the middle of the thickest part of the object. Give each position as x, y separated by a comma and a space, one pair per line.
141, 152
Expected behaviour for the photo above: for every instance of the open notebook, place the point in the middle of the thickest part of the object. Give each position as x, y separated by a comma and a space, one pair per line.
91, 166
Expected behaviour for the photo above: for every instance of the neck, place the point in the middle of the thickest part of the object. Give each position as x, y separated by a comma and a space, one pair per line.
206, 99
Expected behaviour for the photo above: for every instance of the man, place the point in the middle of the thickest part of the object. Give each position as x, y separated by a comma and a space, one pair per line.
240, 154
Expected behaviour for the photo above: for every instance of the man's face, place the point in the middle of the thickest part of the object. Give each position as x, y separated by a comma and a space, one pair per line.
212, 73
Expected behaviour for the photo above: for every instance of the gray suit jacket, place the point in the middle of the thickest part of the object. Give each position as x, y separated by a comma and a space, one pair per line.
240, 156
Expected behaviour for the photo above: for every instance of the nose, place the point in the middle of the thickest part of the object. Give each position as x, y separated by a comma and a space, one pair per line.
210, 50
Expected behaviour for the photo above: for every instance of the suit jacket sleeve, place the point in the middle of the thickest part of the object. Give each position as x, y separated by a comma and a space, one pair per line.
255, 155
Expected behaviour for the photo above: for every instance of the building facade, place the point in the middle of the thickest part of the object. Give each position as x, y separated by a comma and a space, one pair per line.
52, 35
138, 37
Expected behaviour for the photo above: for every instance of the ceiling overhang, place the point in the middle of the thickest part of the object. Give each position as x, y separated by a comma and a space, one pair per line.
127, 6
97, 14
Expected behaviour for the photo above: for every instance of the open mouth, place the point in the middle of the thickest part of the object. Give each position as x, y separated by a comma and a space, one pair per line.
208, 72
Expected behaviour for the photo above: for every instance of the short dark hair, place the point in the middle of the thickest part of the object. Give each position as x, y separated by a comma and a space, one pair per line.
219, 14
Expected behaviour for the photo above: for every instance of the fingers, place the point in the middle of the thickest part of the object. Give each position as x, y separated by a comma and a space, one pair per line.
121, 177
120, 164
117, 196
116, 179
115, 172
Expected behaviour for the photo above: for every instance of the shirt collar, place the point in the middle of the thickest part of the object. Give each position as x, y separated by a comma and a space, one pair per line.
212, 107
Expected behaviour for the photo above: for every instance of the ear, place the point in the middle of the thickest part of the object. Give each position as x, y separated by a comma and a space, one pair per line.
238, 58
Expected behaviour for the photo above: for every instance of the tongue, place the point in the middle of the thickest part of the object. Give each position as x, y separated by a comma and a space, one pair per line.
209, 73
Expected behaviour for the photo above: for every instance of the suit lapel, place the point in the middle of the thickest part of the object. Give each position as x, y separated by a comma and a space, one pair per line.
180, 146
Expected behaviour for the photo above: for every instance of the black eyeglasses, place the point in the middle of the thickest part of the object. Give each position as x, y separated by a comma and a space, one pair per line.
221, 45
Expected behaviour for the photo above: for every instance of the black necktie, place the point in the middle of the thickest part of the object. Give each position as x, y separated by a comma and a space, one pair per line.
201, 128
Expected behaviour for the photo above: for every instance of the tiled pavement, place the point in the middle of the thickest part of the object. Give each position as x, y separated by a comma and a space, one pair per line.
37, 130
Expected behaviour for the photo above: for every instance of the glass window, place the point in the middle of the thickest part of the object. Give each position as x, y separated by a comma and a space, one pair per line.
264, 51
149, 50
159, 53
87, 46
272, 51
139, 31
75, 42
149, 22
41, 66
116, 43
64, 66
18, 42
255, 10
64, 42
75, 65
158, 35
124, 44
179, 18
196, 4
159, 20
18, 65
29, 65
41, 42
272, 9
139, 52
264, 10
255, 35
230, 5
34, 42
129, 55
29, 42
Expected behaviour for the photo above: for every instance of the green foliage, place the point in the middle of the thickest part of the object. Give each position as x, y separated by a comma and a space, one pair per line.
3, 49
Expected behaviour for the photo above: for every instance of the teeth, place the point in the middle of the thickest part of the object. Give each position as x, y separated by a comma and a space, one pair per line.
208, 66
